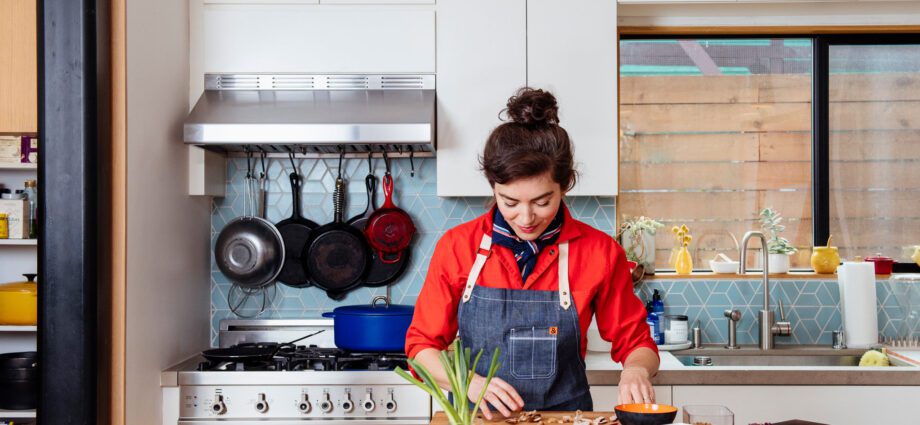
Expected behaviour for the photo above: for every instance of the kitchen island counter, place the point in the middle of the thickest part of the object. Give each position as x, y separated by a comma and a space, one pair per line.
603, 371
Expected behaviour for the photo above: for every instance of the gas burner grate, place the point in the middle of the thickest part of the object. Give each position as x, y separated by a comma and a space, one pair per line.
311, 358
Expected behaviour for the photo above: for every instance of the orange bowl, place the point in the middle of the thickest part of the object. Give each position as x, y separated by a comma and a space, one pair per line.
645, 414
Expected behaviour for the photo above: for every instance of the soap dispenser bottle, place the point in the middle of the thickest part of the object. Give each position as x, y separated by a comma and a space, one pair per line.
658, 309
654, 324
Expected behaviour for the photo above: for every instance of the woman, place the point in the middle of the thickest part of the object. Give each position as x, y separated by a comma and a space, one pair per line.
527, 277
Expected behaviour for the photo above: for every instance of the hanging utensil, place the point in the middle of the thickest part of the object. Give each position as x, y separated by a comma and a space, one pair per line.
248, 303
380, 273
249, 249
336, 256
389, 229
295, 231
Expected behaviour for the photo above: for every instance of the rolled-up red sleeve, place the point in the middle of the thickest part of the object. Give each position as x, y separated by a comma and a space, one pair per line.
620, 313
434, 324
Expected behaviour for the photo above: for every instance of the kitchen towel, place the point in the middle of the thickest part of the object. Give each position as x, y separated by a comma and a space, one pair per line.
858, 303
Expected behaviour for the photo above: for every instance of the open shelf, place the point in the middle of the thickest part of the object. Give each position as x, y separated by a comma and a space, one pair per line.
17, 166
8, 328
17, 413
18, 241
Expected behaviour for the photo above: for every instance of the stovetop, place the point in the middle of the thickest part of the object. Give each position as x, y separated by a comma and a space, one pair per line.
312, 358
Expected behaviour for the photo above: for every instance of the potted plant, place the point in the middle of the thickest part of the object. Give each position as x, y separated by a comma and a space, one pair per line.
778, 247
637, 236
460, 373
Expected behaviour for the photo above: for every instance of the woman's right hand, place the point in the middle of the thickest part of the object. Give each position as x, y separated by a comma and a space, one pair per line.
501, 395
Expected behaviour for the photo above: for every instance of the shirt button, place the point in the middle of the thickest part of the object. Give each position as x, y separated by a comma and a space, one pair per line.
552, 252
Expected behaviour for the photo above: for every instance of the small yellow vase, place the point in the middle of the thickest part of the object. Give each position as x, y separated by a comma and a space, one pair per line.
684, 262
916, 256
825, 259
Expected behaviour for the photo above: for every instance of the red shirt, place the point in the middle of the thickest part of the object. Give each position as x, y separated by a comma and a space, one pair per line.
599, 278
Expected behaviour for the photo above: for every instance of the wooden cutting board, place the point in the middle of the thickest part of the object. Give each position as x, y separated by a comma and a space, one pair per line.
441, 419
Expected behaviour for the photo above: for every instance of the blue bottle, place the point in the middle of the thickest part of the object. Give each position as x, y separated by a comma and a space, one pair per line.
658, 309
654, 324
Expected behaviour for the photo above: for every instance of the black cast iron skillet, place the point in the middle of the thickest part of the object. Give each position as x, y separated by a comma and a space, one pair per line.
295, 231
336, 257
252, 352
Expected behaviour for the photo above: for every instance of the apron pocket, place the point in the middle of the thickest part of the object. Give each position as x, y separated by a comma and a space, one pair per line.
533, 352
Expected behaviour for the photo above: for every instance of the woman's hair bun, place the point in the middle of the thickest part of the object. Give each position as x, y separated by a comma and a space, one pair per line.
533, 107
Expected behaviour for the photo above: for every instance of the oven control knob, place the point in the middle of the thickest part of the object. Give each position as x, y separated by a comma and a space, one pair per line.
326, 404
305, 406
390, 405
262, 404
348, 405
219, 408
368, 404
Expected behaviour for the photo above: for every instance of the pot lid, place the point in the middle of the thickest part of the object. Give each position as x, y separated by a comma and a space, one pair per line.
375, 309
879, 257
28, 286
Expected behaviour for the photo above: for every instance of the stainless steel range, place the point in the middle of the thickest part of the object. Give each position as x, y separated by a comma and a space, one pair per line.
309, 381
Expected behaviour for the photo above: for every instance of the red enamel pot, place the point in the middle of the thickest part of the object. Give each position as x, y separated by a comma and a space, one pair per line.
389, 229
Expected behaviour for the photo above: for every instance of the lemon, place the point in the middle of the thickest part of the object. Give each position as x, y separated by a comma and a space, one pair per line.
873, 358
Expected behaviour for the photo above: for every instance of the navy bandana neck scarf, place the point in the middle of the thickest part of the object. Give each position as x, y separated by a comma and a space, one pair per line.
525, 252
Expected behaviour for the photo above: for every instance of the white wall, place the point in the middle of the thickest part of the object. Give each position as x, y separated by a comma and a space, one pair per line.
775, 13
168, 231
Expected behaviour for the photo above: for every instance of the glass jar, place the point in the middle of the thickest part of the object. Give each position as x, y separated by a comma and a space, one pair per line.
708, 414
4, 226
676, 329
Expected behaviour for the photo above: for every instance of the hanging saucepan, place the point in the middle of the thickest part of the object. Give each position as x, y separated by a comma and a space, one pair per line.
389, 229
336, 256
249, 249
380, 273
372, 328
295, 231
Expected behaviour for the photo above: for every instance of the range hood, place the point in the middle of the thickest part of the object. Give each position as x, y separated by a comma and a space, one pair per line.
314, 113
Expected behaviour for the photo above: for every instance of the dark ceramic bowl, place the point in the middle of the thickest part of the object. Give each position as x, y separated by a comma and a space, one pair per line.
645, 414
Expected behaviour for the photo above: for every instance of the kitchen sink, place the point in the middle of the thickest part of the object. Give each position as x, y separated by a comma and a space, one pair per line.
769, 360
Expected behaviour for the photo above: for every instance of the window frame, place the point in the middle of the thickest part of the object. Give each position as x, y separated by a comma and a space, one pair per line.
820, 141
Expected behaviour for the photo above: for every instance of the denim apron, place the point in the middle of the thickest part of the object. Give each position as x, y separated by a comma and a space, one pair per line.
538, 334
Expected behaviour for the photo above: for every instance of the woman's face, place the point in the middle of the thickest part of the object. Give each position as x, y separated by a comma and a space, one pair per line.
529, 204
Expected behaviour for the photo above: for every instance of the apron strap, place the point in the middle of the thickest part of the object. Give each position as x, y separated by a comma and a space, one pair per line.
484, 250
564, 294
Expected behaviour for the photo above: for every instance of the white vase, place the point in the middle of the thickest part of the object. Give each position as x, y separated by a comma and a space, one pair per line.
779, 263
647, 249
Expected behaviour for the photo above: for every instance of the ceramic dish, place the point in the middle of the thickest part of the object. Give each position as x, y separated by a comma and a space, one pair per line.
724, 266
645, 414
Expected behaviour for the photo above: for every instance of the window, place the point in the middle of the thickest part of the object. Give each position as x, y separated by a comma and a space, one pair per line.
874, 148
824, 129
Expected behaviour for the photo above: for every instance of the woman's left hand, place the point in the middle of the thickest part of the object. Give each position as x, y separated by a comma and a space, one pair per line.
635, 386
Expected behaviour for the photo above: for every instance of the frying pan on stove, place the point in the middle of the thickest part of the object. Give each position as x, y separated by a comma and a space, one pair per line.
253, 352
380, 273
295, 231
336, 257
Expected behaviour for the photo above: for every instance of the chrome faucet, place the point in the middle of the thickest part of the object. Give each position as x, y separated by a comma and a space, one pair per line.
769, 328
733, 317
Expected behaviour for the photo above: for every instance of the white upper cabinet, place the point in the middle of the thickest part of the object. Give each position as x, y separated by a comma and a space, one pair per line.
489, 49
482, 47
572, 52
309, 38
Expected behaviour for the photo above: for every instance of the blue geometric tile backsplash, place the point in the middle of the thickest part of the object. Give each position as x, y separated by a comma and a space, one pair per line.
811, 305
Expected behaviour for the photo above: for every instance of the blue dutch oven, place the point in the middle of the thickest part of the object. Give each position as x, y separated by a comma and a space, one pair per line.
372, 328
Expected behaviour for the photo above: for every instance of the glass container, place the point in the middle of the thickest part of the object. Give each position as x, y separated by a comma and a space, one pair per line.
708, 415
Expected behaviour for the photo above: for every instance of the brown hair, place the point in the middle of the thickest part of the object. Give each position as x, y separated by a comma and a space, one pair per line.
531, 144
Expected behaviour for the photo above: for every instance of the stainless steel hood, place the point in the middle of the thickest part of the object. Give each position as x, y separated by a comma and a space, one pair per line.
315, 113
